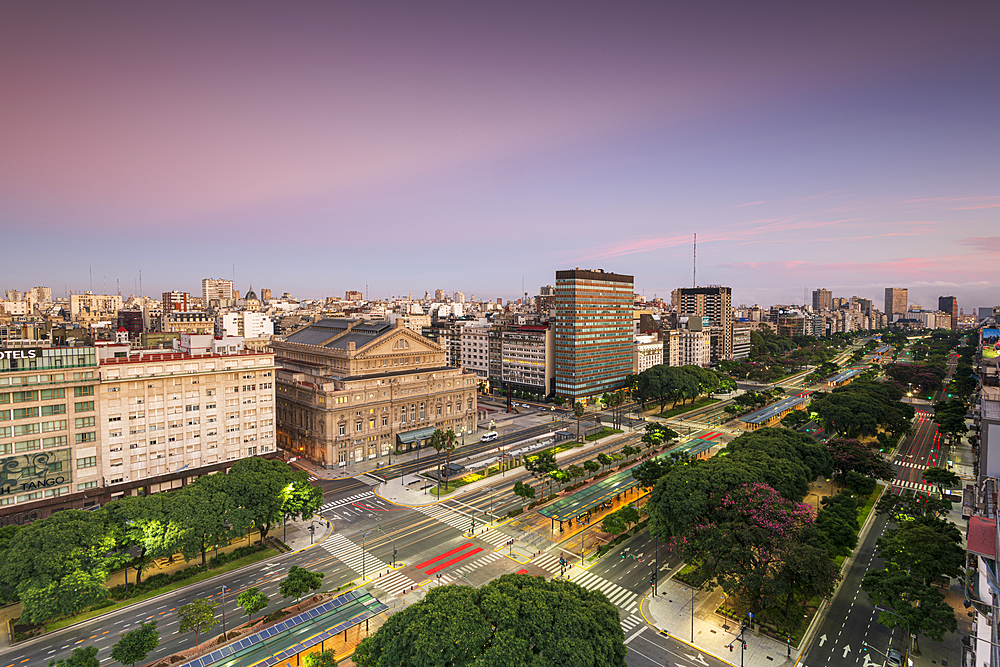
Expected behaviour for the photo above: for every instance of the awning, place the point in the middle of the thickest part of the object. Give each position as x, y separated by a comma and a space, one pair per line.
406, 437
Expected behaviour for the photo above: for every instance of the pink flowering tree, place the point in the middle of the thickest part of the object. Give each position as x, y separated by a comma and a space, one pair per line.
743, 541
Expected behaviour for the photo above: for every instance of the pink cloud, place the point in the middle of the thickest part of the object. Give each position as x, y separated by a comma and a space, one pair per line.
988, 244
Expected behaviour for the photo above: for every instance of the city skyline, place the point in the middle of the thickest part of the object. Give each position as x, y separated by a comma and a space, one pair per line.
321, 149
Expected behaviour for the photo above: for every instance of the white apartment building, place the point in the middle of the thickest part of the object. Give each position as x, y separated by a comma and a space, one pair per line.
647, 351
690, 348
94, 303
163, 413
247, 324
218, 289
474, 349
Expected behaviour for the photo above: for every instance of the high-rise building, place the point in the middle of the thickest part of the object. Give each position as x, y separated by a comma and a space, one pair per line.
217, 289
949, 304
459, 297
175, 301
265, 295
593, 332
895, 302
353, 295
715, 302
40, 294
822, 300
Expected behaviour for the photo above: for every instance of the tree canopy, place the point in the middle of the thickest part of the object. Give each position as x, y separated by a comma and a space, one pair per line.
514, 621
862, 408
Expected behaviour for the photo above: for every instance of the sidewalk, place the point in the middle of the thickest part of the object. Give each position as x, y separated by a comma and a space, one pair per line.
670, 611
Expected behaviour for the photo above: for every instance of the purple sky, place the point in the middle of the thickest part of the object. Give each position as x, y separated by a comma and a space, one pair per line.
466, 146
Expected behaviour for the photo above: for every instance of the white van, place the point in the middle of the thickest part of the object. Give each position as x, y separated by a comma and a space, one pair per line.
492, 435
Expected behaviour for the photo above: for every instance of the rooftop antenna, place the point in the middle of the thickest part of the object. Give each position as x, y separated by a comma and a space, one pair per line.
694, 264
91, 278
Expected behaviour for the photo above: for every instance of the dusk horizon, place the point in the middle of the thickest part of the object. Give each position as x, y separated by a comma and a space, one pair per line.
398, 148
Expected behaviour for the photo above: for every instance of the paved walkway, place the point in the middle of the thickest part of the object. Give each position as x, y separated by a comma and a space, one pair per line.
670, 611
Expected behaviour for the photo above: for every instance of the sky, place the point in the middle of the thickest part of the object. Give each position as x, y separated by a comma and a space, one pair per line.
398, 148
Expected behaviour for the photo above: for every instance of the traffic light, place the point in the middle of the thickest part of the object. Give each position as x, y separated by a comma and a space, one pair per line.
744, 646
393, 554
624, 555
730, 648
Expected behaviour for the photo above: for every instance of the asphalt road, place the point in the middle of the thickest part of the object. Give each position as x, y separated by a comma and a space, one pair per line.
851, 618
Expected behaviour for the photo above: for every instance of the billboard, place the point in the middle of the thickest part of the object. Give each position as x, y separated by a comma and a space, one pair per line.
32, 472
989, 339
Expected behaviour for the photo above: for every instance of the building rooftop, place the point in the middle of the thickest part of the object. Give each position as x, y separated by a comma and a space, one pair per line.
845, 375
771, 411
338, 333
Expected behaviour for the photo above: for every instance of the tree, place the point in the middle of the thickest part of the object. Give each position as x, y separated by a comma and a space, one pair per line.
558, 476
143, 530
524, 491
907, 504
927, 548
135, 645
251, 601
197, 615
85, 656
541, 464
559, 401
744, 540
450, 441
861, 408
256, 487
657, 434
628, 451
576, 471
58, 565
808, 571
591, 466
942, 478
578, 411
202, 509
437, 442
513, 621
300, 500
922, 606
299, 582
649, 472
326, 658
850, 454
614, 524
605, 459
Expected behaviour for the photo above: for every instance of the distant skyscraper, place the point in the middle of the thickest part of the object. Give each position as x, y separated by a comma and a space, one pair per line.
459, 297
440, 295
593, 332
895, 302
822, 299
353, 295
716, 302
265, 294
218, 289
949, 304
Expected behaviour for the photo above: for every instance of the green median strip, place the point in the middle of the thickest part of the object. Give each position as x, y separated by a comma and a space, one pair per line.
228, 567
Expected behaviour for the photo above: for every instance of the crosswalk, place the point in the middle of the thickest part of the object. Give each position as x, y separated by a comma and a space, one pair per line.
917, 486
347, 501
620, 597
631, 621
351, 555
463, 522
370, 480
487, 557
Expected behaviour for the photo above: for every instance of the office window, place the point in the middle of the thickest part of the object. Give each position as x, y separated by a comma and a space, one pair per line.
83, 391
86, 462
49, 410
89, 436
343, 430
85, 422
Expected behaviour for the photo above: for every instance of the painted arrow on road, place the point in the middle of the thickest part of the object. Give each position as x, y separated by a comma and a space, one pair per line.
700, 659
822, 640
847, 649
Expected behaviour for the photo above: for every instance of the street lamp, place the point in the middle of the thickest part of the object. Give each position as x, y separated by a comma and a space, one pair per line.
364, 537
904, 621
378, 527
491, 490
692, 613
